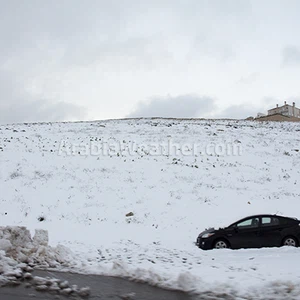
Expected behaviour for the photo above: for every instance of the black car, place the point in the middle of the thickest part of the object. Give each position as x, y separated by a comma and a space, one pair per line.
253, 232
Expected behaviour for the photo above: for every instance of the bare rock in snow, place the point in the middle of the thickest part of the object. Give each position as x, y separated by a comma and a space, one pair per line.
28, 276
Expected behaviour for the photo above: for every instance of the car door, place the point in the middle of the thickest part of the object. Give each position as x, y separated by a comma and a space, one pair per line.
245, 234
271, 231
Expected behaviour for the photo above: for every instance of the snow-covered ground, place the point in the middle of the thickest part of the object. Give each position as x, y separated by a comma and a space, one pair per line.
224, 171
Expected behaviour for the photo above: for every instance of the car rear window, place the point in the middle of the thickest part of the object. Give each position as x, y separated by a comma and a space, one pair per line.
284, 221
269, 221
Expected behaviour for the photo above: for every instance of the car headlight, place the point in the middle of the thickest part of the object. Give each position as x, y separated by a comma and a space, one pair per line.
207, 235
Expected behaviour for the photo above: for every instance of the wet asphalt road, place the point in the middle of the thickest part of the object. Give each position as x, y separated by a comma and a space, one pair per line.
102, 287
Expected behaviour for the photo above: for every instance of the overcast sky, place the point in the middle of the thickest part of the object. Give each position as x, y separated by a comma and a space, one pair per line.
87, 60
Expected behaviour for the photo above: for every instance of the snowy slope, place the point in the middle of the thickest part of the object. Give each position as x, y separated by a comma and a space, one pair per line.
82, 196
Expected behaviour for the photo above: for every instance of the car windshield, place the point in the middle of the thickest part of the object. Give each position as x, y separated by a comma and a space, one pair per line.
248, 223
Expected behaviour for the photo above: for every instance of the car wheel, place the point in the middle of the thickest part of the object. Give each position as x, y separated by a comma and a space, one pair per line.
290, 241
221, 244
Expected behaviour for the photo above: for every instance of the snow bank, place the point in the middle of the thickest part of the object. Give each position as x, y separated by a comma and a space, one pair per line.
20, 253
17, 244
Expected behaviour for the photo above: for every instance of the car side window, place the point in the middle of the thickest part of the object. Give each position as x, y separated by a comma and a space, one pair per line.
269, 221
249, 223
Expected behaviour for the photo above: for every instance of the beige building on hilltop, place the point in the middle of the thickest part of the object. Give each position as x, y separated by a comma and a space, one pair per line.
285, 110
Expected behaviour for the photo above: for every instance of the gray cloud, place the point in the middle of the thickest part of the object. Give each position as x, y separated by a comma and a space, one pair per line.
18, 105
113, 29
38, 111
291, 56
183, 106
243, 111
239, 112
71, 25
193, 106
101, 52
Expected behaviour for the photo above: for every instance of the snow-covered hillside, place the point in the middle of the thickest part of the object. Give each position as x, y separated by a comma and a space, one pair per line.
79, 180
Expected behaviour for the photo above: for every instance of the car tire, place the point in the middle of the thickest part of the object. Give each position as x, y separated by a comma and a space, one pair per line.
221, 244
290, 241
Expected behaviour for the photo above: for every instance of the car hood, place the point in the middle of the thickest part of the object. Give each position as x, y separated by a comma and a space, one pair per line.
212, 229
209, 230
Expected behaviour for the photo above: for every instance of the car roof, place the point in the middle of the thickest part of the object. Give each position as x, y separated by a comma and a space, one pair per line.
264, 215
271, 215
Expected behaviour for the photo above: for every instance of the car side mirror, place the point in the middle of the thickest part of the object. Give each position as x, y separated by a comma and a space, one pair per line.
236, 229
